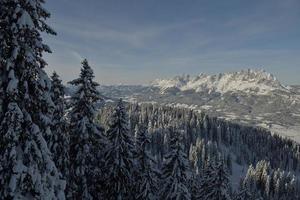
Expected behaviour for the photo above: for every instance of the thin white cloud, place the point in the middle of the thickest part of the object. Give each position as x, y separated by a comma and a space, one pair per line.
135, 36
76, 55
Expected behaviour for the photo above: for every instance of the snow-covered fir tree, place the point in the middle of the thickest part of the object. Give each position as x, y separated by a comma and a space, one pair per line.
119, 163
265, 183
194, 184
244, 194
250, 184
215, 182
27, 170
85, 135
2, 79
175, 171
147, 174
59, 140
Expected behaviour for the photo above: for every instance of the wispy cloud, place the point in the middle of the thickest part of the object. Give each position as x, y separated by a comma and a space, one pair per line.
134, 36
76, 55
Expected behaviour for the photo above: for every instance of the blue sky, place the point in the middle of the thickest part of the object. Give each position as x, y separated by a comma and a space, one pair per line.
136, 41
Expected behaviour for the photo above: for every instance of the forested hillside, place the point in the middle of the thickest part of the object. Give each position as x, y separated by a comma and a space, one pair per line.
77, 148
209, 139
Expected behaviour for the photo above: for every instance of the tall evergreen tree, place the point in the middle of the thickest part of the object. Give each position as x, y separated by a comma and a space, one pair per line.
250, 184
2, 79
119, 163
59, 141
27, 170
215, 183
194, 184
146, 182
244, 194
175, 171
85, 135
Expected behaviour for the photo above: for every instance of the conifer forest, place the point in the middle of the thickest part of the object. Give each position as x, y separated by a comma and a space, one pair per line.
66, 140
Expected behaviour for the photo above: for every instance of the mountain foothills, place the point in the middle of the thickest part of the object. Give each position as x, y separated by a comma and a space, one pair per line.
88, 146
249, 97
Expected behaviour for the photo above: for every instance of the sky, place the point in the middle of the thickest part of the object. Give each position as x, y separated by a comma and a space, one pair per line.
137, 41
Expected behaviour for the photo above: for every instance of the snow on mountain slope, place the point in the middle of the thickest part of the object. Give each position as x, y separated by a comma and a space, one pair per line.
251, 97
253, 81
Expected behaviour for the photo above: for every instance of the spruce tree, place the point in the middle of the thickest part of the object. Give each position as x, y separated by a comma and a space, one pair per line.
251, 184
194, 184
244, 194
119, 163
85, 135
215, 182
59, 140
27, 170
2, 79
146, 182
175, 171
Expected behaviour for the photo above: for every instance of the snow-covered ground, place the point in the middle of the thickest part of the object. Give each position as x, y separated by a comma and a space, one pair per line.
292, 132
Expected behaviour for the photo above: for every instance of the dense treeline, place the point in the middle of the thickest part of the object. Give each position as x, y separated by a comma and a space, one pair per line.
249, 144
208, 139
52, 149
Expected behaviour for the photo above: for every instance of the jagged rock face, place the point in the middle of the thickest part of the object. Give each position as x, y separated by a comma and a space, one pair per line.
251, 81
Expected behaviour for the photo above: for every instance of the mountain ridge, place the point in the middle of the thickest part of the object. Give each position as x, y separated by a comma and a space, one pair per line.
251, 81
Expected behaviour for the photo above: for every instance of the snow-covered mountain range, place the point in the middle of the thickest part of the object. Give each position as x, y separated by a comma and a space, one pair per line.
252, 81
251, 97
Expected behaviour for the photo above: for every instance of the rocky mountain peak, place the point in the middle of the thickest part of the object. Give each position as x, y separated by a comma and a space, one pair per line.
258, 81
